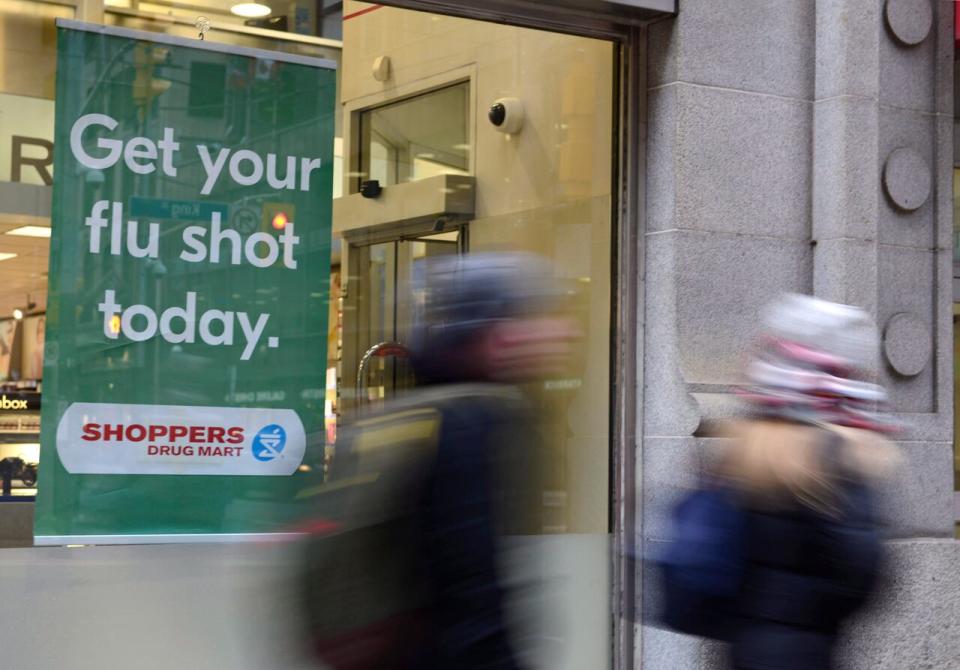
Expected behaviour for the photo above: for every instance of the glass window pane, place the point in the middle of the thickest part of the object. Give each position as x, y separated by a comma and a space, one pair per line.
546, 190
417, 138
28, 53
28, 58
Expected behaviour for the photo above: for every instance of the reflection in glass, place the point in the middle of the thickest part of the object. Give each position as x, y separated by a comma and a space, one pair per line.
390, 293
323, 18
417, 138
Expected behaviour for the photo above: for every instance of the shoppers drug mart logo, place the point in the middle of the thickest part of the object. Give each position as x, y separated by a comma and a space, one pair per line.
269, 442
95, 438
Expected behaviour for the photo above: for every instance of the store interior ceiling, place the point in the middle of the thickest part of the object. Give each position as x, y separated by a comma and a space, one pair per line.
219, 11
216, 7
23, 277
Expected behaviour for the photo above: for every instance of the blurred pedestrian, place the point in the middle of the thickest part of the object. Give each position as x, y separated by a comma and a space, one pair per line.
409, 578
790, 507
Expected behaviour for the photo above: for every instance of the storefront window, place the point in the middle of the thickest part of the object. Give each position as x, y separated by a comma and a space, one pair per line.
545, 187
27, 77
456, 183
27, 81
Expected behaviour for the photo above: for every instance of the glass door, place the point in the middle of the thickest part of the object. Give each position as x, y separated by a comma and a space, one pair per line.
390, 289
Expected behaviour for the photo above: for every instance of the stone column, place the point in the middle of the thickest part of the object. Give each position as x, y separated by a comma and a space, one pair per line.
727, 228
805, 145
845, 145
883, 210
882, 217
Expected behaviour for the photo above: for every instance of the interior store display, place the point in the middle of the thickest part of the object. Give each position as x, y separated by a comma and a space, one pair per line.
31, 350
8, 327
15, 468
19, 439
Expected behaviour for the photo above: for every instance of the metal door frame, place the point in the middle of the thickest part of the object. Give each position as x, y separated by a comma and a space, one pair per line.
351, 246
628, 275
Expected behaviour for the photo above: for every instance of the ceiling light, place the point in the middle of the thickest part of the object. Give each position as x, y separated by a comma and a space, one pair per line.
30, 231
5, 256
19, 312
250, 10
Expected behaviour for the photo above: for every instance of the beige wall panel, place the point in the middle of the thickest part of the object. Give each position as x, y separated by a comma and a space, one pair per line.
28, 53
565, 83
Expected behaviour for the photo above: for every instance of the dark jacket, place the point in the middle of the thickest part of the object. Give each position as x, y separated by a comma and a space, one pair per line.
466, 506
422, 492
806, 572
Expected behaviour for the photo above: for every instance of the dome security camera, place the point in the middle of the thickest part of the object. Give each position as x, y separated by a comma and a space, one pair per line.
506, 115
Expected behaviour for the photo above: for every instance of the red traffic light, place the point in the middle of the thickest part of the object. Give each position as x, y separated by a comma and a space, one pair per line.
279, 221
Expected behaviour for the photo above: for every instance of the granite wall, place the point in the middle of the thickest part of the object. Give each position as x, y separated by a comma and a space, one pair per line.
806, 145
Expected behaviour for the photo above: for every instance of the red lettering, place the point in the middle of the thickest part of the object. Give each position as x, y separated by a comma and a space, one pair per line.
136, 433
91, 432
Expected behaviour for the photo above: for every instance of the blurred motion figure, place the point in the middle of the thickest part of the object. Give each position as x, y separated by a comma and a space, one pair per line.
787, 514
406, 574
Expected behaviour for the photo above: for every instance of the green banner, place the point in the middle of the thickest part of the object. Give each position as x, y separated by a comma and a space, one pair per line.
188, 290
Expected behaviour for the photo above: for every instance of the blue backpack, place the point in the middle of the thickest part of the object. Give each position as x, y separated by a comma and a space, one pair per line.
702, 567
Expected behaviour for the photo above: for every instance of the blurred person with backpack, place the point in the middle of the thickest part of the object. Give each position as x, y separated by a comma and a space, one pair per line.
405, 572
782, 542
